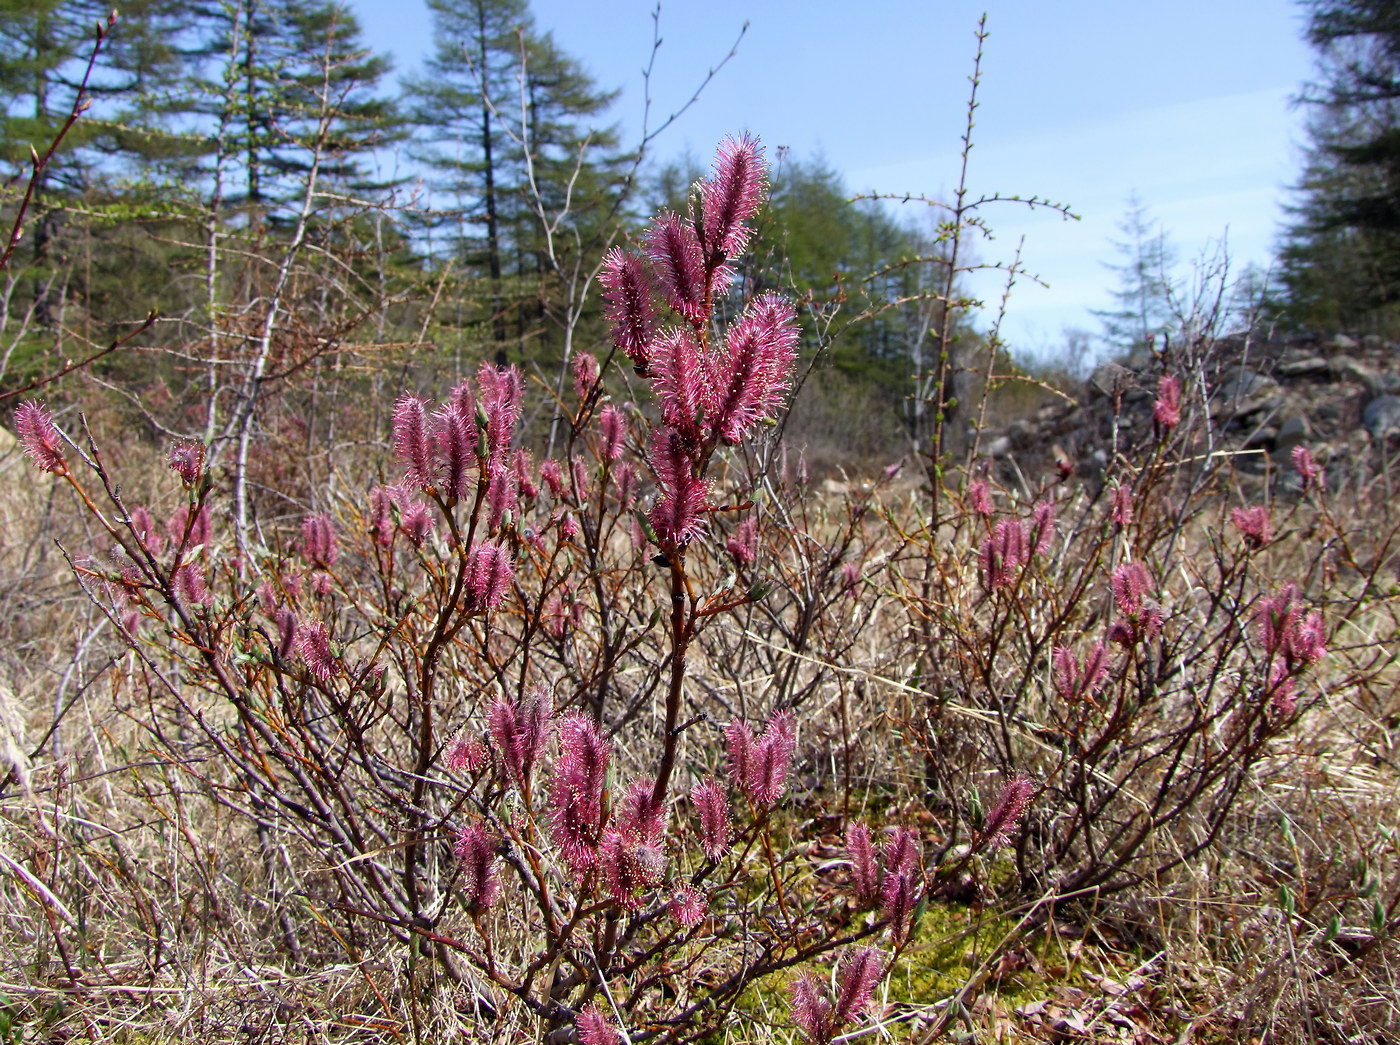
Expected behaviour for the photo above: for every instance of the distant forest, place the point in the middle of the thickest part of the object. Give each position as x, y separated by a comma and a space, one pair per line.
217, 166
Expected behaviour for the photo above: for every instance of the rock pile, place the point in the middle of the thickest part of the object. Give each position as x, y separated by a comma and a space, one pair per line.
1339, 396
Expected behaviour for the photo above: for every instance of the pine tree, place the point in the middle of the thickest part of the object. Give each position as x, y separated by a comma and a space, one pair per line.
1143, 297
1341, 250
502, 117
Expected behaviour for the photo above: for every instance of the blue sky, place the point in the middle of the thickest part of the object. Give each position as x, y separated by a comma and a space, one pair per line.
1185, 104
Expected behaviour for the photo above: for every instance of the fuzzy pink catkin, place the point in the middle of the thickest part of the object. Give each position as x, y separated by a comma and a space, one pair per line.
412, 440
585, 370
743, 542
1003, 553
1167, 411
489, 575
519, 730
595, 1029
681, 381
502, 390
678, 261
856, 978
755, 368
186, 458
1253, 524
39, 436
688, 905
760, 766
1130, 582
313, 644
1006, 814
318, 540
476, 851
612, 426
627, 291
731, 196
712, 808
677, 515
979, 497
1121, 511
576, 794
456, 437
865, 871
1308, 469
1042, 526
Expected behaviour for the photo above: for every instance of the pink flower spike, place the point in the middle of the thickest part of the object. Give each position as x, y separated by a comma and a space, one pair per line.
489, 575
677, 515
676, 253
712, 807
519, 730
865, 872
187, 459
1130, 582
576, 794
585, 368
687, 906
456, 437
856, 978
731, 196
1253, 524
1308, 469
1121, 511
812, 1009
979, 497
1003, 553
756, 366
1307, 642
476, 851
1167, 412
39, 436
552, 475
190, 586
502, 391
768, 760
1277, 617
627, 290
595, 1029
412, 440
417, 521
743, 544
466, 755
313, 643
612, 424
681, 381
1011, 806
318, 543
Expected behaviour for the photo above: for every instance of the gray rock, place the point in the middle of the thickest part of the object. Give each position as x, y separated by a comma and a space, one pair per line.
1382, 416
1352, 370
998, 447
1308, 366
1294, 431
1341, 343
1110, 379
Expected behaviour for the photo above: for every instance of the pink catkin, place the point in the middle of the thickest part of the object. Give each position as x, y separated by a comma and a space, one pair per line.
1308, 469
489, 575
1167, 411
519, 730
1042, 526
760, 766
688, 905
39, 437
313, 644
1254, 525
755, 369
595, 1029
412, 440
1003, 554
585, 370
627, 292
865, 870
743, 543
1006, 814
456, 438
979, 497
612, 426
677, 515
552, 475
186, 458
712, 808
676, 255
1121, 511
318, 540
812, 1010
476, 852
682, 382
576, 794
731, 196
